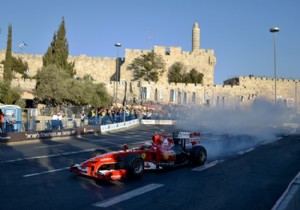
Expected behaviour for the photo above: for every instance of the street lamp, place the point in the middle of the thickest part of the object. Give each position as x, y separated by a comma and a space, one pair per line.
274, 31
118, 45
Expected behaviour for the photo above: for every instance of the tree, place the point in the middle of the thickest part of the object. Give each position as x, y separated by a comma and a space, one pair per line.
20, 66
176, 72
148, 67
9, 95
193, 77
53, 83
58, 52
7, 75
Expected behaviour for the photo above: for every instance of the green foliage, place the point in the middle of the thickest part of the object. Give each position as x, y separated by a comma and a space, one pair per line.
8, 94
51, 83
194, 77
88, 77
7, 75
20, 66
54, 83
176, 72
58, 52
148, 67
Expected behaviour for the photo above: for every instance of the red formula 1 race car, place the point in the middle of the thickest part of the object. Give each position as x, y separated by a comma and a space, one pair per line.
163, 152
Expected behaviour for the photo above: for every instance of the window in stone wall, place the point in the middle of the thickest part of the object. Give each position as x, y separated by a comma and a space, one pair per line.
167, 52
172, 95
218, 101
223, 101
130, 88
179, 97
194, 98
185, 97
155, 95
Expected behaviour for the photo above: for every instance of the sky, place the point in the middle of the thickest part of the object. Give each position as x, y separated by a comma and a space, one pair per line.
237, 30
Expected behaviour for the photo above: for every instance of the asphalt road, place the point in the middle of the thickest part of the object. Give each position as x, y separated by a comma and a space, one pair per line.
241, 173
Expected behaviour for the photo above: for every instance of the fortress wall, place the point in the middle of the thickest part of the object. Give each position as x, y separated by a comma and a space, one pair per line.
102, 69
285, 88
201, 60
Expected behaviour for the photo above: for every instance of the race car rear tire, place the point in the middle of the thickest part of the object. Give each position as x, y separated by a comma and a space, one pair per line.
134, 165
198, 155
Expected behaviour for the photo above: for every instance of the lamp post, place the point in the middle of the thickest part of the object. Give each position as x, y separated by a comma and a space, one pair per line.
118, 45
274, 31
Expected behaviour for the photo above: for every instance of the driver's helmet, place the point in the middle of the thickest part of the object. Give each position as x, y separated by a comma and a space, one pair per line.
159, 138
155, 138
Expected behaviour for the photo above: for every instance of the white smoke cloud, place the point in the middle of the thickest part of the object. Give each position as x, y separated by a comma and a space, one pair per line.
262, 119
232, 131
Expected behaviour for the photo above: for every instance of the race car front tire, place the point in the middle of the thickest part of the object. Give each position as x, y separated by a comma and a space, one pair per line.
134, 165
198, 155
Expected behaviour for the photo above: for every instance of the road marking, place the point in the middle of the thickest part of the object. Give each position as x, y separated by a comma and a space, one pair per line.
245, 151
94, 140
128, 195
45, 172
207, 165
55, 145
91, 139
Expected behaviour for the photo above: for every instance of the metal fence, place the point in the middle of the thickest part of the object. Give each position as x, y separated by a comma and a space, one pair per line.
67, 122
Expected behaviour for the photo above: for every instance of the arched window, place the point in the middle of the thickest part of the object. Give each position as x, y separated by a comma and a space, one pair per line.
179, 97
172, 95
194, 98
185, 97
155, 95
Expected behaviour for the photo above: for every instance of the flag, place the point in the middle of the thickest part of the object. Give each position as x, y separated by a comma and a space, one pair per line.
22, 45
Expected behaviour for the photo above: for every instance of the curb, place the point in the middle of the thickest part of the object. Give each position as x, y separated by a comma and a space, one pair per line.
290, 199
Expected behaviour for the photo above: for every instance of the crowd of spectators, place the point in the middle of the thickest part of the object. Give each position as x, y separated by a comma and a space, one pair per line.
66, 116
112, 114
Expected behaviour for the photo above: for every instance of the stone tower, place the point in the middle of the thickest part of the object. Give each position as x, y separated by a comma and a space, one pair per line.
196, 37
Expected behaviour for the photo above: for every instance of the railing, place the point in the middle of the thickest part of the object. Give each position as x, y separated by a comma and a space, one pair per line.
40, 125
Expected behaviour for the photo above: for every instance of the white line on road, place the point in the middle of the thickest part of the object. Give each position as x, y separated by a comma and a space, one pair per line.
245, 151
45, 172
208, 165
128, 195
93, 140
55, 145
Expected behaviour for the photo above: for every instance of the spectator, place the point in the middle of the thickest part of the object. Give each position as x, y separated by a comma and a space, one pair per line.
1, 121
10, 124
55, 117
82, 119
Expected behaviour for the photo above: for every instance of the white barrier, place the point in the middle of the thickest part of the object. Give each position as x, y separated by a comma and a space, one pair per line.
110, 127
157, 122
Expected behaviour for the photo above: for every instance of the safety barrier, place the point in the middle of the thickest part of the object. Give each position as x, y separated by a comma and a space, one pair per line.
290, 199
115, 126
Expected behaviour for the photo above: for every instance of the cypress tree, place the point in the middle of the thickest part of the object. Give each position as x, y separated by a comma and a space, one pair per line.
7, 75
58, 51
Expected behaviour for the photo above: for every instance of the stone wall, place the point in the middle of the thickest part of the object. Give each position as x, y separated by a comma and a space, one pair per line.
244, 91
